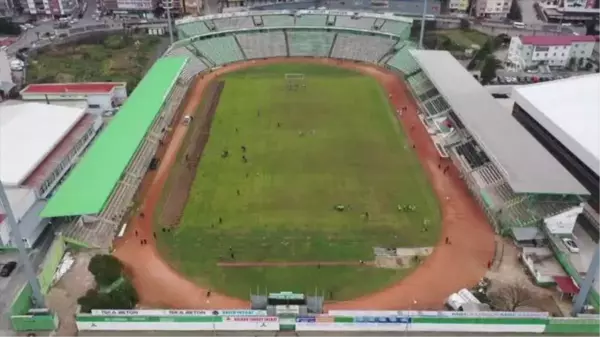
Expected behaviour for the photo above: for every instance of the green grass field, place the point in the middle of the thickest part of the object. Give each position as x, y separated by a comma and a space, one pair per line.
337, 142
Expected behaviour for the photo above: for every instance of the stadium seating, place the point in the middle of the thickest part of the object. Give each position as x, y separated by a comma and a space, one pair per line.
192, 29
403, 61
361, 47
278, 20
420, 83
193, 66
220, 50
261, 45
394, 27
311, 20
238, 22
359, 23
310, 43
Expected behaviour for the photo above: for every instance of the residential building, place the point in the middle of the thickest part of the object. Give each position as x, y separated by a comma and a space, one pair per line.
555, 51
6, 8
39, 143
141, 8
98, 97
50, 8
458, 5
492, 9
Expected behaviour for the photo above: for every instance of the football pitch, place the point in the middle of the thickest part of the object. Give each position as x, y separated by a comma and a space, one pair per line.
309, 175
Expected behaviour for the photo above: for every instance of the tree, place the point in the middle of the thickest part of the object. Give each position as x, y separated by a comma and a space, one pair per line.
571, 63
488, 71
106, 269
9, 28
159, 10
123, 297
580, 63
509, 297
515, 11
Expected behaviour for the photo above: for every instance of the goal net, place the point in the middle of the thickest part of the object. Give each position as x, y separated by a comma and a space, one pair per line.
294, 82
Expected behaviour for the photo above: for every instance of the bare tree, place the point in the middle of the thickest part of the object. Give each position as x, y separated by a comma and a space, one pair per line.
511, 296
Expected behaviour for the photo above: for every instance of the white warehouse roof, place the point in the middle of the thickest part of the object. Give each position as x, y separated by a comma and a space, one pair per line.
568, 109
28, 132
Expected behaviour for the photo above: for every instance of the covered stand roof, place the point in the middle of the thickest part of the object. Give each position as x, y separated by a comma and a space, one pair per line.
569, 109
91, 182
28, 132
63, 88
526, 165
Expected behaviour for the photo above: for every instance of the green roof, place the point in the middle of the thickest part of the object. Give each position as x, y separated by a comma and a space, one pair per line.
91, 182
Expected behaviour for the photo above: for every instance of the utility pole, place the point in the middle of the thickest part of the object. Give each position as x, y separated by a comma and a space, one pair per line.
587, 283
421, 36
168, 6
17, 239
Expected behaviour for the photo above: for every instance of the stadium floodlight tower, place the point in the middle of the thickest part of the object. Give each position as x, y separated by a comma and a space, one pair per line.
422, 34
17, 239
168, 6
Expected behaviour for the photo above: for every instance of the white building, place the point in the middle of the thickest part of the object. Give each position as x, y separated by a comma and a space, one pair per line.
458, 5
555, 51
39, 143
100, 97
493, 9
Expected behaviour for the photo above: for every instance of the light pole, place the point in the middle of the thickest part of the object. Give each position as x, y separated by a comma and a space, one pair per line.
414, 302
168, 6
423, 25
17, 239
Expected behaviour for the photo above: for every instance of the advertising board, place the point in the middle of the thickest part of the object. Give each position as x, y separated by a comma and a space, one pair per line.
177, 323
240, 312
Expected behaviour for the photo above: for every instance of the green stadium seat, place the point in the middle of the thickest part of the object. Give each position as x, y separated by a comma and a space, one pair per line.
277, 20
310, 43
221, 50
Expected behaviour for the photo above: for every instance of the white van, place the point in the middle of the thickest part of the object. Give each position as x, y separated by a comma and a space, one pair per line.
519, 25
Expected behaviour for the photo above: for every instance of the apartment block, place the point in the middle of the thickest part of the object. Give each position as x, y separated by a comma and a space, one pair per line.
555, 51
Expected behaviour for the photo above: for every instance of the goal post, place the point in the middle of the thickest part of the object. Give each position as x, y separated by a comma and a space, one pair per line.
294, 81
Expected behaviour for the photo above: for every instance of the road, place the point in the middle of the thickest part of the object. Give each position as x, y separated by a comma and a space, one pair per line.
9, 287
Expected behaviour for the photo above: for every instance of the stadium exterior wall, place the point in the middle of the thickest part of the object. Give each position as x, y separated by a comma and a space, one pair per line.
494, 322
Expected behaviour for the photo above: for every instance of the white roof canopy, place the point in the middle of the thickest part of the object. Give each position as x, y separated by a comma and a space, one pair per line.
28, 132
526, 165
568, 109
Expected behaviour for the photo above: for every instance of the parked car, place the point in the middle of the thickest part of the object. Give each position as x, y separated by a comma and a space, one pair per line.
571, 245
8, 268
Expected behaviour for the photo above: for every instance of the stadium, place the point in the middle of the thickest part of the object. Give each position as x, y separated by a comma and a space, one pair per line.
264, 120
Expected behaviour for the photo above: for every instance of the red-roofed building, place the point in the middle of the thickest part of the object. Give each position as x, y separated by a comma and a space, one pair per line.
560, 51
100, 97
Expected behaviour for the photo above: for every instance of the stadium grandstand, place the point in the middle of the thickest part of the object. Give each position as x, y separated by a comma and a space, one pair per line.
39, 143
514, 178
99, 190
385, 23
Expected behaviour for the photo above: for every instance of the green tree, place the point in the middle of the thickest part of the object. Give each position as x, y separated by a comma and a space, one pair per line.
123, 297
106, 269
515, 11
488, 71
580, 63
571, 63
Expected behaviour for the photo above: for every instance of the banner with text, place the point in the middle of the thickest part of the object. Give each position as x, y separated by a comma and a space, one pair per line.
177, 323
241, 312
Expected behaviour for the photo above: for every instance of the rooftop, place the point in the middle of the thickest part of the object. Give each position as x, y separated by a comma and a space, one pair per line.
557, 40
28, 132
570, 110
62, 88
524, 163
89, 185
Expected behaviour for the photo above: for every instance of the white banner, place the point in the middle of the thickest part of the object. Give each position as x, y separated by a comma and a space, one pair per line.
177, 326
179, 312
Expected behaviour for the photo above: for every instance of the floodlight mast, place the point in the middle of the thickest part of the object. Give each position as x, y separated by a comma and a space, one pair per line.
168, 6
422, 34
17, 239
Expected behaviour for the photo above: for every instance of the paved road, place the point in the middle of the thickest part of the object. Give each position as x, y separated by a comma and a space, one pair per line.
9, 287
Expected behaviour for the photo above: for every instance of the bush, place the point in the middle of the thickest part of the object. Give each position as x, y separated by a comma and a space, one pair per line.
106, 269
